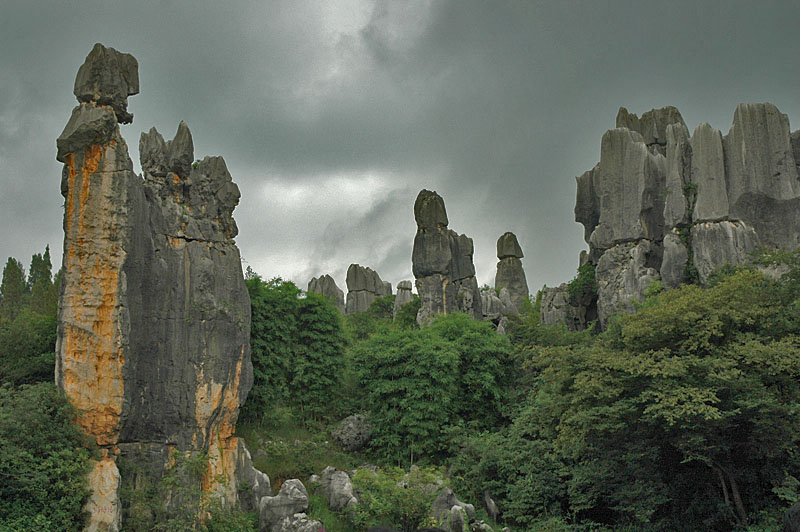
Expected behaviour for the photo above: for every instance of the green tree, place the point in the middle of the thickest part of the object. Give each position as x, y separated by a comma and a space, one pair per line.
44, 459
12, 289
43, 292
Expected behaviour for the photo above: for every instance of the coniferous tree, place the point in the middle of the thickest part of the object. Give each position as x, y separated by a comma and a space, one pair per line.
12, 289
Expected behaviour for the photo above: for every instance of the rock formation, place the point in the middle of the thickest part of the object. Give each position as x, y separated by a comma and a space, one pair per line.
510, 274
404, 296
442, 263
326, 286
153, 328
364, 286
664, 205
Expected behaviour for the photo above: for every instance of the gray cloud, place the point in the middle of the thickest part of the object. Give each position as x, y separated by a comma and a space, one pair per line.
331, 116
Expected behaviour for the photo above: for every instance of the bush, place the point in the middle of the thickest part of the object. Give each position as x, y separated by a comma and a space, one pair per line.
44, 460
393, 498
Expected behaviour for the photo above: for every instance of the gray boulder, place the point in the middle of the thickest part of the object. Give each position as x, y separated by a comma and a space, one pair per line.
326, 286
445, 501
353, 432
623, 275
88, 125
491, 306
456, 520
791, 519
708, 173
291, 499
298, 522
337, 488
404, 296
253, 484
442, 263
480, 526
510, 274
716, 244
108, 77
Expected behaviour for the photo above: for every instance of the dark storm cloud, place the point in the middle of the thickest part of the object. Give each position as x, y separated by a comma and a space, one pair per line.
332, 115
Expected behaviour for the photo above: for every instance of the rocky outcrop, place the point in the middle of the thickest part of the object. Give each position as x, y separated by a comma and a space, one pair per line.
364, 286
663, 205
404, 296
337, 488
353, 432
153, 328
510, 274
442, 263
326, 286
291, 499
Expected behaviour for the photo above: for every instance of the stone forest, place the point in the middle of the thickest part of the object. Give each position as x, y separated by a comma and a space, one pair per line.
657, 390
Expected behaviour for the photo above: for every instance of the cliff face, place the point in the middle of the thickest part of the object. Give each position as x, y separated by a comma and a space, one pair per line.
664, 204
364, 286
442, 263
154, 319
326, 286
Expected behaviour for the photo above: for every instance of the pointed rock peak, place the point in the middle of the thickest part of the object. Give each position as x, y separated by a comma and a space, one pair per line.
429, 211
152, 155
181, 151
507, 246
677, 133
108, 77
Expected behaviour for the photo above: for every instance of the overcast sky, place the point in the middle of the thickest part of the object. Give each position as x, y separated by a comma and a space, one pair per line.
332, 116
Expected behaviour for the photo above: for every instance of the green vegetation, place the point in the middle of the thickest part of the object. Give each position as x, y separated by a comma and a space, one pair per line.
44, 459
178, 504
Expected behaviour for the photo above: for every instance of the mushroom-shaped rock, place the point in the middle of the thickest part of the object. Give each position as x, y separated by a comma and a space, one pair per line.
510, 274
108, 77
508, 247
404, 296
429, 211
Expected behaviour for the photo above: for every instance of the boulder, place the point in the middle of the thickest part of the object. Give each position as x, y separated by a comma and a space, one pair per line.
326, 286
491, 306
717, 244
456, 520
791, 519
404, 296
291, 499
622, 276
353, 432
298, 522
445, 501
442, 263
337, 489
491, 506
708, 174
510, 274
480, 526
107, 78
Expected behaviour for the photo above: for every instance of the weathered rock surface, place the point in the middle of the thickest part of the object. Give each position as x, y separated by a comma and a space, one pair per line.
299, 522
491, 306
404, 295
510, 274
652, 126
291, 499
715, 245
629, 183
708, 174
353, 432
153, 329
622, 277
337, 489
673, 262
326, 286
364, 286
442, 263
791, 519
445, 501
709, 201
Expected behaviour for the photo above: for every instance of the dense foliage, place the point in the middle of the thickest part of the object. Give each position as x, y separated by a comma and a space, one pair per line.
28, 308
297, 349
44, 459
684, 416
